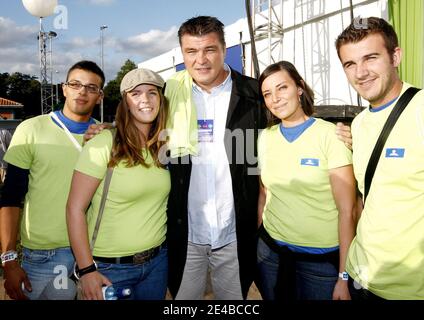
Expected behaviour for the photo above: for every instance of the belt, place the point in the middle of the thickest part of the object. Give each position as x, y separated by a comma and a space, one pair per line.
138, 258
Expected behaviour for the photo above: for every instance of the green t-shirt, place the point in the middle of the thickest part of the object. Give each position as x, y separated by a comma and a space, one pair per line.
134, 218
41, 146
387, 254
300, 208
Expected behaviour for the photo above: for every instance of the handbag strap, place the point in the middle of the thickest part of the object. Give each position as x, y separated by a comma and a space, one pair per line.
388, 126
102, 207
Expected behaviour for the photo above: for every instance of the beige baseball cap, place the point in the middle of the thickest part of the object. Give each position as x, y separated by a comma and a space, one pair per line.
140, 76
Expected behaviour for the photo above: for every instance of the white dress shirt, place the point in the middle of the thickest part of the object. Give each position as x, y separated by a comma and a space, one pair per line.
211, 213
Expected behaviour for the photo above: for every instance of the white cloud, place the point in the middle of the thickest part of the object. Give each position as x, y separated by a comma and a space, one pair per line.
101, 2
19, 49
18, 60
12, 35
78, 43
149, 44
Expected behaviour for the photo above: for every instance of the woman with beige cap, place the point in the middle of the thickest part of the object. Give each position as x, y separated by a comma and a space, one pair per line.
130, 249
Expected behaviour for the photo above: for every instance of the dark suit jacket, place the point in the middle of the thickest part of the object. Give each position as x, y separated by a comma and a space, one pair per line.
245, 114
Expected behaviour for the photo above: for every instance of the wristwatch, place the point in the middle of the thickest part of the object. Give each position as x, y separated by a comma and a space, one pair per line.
7, 256
344, 276
78, 273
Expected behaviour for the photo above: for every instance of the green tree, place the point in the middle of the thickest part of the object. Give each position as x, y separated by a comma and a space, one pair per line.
25, 89
3, 84
111, 100
128, 66
112, 92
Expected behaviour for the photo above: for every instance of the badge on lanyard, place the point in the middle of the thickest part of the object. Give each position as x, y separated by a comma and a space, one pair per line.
205, 129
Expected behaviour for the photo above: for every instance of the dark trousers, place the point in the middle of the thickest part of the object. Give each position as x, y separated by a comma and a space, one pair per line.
358, 293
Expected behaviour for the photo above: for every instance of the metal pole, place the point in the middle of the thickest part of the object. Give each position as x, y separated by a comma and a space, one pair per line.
57, 89
51, 35
269, 32
57, 94
102, 66
40, 51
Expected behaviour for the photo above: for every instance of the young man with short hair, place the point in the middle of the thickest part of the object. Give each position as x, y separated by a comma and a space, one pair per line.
386, 258
41, 160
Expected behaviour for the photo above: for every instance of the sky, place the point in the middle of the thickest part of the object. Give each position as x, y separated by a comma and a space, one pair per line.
136, 30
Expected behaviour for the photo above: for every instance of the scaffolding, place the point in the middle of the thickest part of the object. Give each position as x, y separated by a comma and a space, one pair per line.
46, 68
298, 31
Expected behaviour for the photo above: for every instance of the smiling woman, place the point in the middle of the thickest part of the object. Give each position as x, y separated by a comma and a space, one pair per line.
130, 251
306, 180
143, 103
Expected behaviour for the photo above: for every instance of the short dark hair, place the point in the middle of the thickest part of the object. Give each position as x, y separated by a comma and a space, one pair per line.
88, 66
307, 97
361, 28
201, 25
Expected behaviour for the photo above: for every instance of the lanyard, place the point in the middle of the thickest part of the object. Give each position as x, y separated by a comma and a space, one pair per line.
68, 133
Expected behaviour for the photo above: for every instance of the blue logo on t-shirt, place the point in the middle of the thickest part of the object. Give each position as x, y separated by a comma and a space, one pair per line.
309, 162
395, 152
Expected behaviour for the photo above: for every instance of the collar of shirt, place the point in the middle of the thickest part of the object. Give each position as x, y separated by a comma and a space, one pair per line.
384, 106
73, 126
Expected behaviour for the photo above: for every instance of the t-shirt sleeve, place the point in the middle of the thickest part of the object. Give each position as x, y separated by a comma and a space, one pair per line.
95, 155
21, 149
338, 155
261, 148
421, 112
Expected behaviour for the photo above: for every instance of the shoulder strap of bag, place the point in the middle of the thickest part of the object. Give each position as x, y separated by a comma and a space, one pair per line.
388, 126
102, 207
106, 185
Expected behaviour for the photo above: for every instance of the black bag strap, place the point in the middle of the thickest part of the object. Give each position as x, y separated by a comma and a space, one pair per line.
106, 185
388, 126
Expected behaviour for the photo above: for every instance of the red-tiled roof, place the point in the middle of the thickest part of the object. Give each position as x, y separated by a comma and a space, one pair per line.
9, 103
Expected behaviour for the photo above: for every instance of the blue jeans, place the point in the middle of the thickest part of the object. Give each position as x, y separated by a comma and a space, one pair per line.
314, 280
49, 271
147, 281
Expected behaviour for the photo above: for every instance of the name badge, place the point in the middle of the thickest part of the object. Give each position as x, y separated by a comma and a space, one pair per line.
205, 130
395, 152
309, 162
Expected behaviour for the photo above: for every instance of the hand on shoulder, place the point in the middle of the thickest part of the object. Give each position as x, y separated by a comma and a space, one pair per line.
344, 134
95, 129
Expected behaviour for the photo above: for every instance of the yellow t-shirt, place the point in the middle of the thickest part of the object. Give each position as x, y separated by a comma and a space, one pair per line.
387, 254
300, 208
41, 146
134, 218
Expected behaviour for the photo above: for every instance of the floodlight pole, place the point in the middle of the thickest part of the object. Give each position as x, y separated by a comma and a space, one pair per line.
46, 85
102, 65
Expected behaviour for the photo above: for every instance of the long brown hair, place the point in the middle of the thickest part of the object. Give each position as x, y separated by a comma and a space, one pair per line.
307, 97
128, 143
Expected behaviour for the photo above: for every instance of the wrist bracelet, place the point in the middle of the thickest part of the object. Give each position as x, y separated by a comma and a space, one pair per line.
344, 276
78, 273
9, 255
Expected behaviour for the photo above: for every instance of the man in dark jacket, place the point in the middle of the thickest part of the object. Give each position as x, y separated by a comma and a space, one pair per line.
214, 119
215, 116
